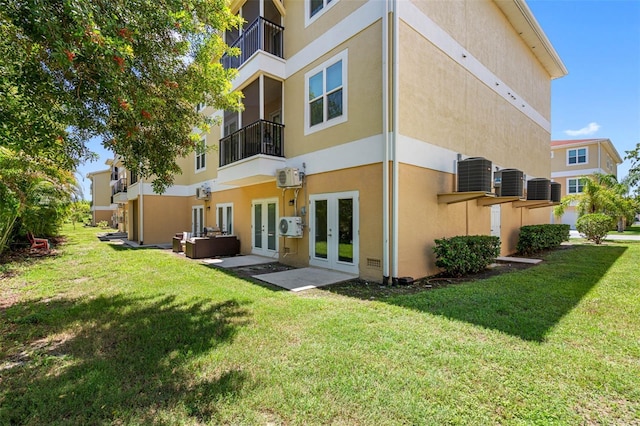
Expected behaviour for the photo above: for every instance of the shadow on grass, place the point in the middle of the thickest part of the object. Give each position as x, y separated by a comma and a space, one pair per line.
527, 303
113, 359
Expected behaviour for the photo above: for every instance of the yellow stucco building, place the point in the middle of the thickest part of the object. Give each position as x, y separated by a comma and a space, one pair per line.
356, 115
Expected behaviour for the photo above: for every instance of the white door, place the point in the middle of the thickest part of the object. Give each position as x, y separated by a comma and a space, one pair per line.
197, 220
495, 220
334, 231
224, 218
264, 236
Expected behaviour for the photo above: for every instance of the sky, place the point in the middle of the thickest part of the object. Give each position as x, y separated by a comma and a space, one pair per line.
599, 44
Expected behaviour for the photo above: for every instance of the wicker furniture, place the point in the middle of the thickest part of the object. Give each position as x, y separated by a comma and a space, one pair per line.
219, 245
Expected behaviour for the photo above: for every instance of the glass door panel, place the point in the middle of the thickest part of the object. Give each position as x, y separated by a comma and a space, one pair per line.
345, 227
257, 226
271, 226
321, 234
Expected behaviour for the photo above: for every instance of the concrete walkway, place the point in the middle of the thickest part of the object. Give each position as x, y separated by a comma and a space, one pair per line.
305, 278
293, 279
610, 236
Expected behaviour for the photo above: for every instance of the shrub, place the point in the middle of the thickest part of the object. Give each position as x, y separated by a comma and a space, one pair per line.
103, 224
595, 226
535, 238
462, 255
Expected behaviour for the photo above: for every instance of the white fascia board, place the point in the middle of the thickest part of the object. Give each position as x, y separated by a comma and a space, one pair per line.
576, 173
260, 63
353, 154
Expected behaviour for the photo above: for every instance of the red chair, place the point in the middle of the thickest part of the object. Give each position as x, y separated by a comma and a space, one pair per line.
38, 243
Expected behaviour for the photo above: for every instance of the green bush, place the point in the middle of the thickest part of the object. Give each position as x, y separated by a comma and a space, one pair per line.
595, 226
535, 238
463, 255
103, 224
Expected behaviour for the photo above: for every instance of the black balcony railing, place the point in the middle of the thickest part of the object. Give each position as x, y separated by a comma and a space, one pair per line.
261, 137
260, 35
120, 186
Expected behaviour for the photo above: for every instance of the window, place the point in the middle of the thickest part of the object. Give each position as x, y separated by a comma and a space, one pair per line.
201, 155
577, 156
575, 186
224, 218
315, 8
326, 103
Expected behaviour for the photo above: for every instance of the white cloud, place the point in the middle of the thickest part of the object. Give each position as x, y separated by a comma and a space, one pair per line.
589, 130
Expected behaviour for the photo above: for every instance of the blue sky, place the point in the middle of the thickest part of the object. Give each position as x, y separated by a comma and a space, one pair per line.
599, 43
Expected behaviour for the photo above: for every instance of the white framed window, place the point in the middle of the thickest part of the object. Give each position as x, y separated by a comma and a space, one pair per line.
326, 94
313, 9
224, 218
577, 156
575, 186
201, 155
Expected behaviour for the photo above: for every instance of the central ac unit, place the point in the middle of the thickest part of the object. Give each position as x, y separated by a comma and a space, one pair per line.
288, 177
203, 193
291, 226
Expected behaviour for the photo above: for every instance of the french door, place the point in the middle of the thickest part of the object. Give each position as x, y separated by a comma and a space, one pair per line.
197, 220
264, 229
334, 231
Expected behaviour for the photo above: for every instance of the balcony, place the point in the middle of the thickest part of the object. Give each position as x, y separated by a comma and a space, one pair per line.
263, 35
261, 137
119, 192
252, 154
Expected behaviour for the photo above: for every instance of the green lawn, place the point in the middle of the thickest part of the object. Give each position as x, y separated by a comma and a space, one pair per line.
101, 334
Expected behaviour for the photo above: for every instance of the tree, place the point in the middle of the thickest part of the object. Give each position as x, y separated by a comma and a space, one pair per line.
601, 194
79, 211
35, 194
128, 72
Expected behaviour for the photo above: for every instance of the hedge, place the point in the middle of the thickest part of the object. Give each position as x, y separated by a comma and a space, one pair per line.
535, 238
463, 255
595, 226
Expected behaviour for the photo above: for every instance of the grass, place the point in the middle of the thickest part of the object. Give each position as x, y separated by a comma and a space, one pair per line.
100, 334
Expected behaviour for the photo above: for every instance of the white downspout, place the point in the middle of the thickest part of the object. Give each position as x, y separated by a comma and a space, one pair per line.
394, 139
141, 212
385, 133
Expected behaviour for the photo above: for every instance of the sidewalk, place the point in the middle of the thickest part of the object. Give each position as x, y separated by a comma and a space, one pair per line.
613, 235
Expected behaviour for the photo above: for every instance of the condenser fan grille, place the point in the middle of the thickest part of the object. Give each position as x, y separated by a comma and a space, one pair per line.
282, 177
284, 226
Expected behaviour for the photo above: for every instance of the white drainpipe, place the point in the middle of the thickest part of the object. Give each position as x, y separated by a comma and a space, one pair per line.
385, 133
141, 211
394, 140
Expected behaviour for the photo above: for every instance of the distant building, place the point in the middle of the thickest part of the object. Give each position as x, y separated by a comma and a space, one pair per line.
102, 207
572, 160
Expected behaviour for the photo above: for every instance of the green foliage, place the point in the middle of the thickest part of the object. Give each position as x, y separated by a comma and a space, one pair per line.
601, 194
79, 212
463, 255
130, 73
35, 193
595, 226
103, 224
535, 238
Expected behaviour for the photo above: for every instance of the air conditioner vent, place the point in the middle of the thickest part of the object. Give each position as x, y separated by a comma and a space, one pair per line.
474, 174
556, 192
512, 184
288, 177
290, 226
203, 193
539, 189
